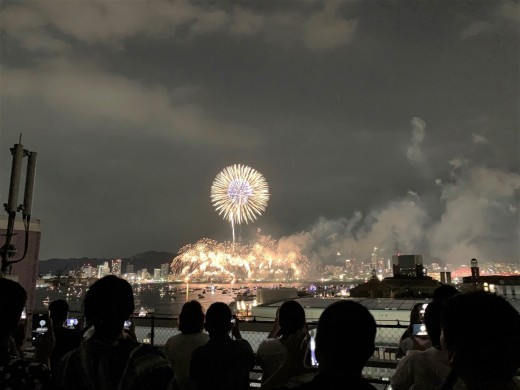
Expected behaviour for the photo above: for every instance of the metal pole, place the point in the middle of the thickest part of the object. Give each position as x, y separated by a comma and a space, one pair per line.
152, 330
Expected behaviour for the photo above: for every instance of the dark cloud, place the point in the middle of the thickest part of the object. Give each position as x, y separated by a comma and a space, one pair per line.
375, 123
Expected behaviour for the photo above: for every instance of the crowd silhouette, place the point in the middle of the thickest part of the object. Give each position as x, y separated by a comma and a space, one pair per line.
474, 344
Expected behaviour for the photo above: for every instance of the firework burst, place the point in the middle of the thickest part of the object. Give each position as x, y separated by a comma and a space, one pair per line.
240, 194
209, 260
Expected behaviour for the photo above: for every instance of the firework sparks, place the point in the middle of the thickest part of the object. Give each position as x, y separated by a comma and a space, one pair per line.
240, 194
209, 260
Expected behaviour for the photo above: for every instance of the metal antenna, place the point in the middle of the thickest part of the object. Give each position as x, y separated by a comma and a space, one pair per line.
11, 207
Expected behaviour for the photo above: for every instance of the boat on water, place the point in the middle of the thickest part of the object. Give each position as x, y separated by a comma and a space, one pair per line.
144, 312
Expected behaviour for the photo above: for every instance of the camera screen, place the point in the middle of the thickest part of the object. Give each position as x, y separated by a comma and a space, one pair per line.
312, 349
40, 325
419, 330
72, 322
310, 360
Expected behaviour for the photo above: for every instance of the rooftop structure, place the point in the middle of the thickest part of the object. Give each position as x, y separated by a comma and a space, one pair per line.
409, 281
384, 310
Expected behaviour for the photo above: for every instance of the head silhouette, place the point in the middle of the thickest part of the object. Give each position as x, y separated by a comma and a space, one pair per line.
218, 319
443, 293
58, 311
345, 337
12, 301
291, 317
191, 319
108, 303
432, 320
480, 333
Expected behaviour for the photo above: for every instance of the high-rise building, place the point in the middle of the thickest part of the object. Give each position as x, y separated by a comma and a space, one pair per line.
103, 270
475, 271
373, 259
129, 268
445, 277
143, 274
87, 271
116, 267
156, 274
349, 267
408, 266
165, 271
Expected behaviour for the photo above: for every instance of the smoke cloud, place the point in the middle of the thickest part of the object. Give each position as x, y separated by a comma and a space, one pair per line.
414, 152
479, 139
479, 218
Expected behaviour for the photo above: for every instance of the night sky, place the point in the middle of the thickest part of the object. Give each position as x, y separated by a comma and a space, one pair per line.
392, 124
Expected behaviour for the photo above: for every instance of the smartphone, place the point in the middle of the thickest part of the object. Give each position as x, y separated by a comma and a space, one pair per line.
419, 330
71, 322
312, 349
40, 325
233, 321
23, 316
310, 360
128, 324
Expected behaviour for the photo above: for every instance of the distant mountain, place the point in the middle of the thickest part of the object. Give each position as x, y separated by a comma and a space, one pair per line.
148, 260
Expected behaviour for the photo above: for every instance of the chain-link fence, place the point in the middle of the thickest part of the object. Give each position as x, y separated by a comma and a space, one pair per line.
157, 330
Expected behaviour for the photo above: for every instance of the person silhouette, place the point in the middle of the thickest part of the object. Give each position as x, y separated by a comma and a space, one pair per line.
480, 332
345, 340
223, 363
178, 348
289, 323
109, 359
15, 372
66, 339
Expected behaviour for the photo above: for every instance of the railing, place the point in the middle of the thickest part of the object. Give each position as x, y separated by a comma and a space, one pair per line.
156, 330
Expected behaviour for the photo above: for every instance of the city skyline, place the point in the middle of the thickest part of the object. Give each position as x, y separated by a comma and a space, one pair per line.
376, 124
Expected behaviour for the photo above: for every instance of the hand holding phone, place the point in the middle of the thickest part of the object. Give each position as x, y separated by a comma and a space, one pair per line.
40, 324
235, 332
310, 360
44, 342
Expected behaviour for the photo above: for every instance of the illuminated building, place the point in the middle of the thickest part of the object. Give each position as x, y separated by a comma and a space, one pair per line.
445, 277
408, 266
103, 270
409, 281
165, 271
475, 271
143, 274
506, 286
116, 267
87, 271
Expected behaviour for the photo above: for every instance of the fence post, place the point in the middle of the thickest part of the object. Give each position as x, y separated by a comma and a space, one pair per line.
152, 330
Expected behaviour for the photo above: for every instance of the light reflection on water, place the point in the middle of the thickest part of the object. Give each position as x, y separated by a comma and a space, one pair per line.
161, 297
